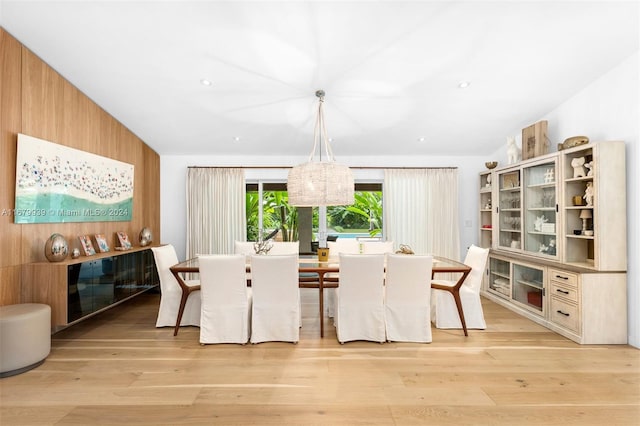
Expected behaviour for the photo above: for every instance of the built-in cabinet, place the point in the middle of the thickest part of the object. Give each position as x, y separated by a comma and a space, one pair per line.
78, 288
557, 230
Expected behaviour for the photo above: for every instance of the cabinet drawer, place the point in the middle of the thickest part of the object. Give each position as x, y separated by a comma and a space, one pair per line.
570, 293
565, 314
567, 278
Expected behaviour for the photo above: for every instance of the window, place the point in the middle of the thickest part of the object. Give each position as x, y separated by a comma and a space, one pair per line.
268, 211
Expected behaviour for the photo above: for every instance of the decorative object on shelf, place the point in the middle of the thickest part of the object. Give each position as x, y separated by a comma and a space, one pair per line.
534, 140
87, 245
513, 152
589, 167
101, 242
56, 248
320, 183
488, 181
537, 225
263, 247
146, 237
123, 239
75, 253
585, 215
491, 164
578, 167
487, 206
577, 200
588, 233
549, 176
588, 194
515, 244
573, 141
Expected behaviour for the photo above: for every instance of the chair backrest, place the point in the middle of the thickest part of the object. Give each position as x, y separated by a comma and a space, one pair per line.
408, 278
476, 258
362, 277
165, 257
244, 247
275, 279
223, 280
378, 247
343, 246
285, 247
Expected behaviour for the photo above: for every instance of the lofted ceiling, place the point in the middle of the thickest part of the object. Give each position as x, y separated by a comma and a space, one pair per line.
390, 69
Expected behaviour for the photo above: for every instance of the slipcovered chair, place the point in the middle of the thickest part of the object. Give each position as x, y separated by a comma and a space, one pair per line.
340, 246
171, 292
285, 247
226, 299
359, 304
408, 298
244, 247
276, 299
377, 247
444, 312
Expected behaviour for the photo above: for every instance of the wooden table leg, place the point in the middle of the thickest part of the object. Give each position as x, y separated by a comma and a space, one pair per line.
455, 292
321, 301
183, 303
456, 297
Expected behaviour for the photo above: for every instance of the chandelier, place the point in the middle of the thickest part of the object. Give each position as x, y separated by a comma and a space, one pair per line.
320, 183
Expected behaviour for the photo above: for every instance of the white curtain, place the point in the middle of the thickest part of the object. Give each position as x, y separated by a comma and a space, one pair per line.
420, 209
215, 210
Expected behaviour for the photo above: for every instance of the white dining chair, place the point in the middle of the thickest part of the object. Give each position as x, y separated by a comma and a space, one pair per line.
408, 298
336, 248
171, 293
444, 313
226, 299
359, 303
285, 247
377, 247
276, 298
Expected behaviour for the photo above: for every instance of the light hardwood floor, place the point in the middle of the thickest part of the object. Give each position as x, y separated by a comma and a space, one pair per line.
117, 368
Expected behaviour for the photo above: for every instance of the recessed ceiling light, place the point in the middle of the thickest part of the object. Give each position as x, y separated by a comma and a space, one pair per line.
421, 139
205, 82
464, 84
236, 139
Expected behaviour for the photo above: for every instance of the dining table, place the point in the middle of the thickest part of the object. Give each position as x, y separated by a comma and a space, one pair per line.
325, 274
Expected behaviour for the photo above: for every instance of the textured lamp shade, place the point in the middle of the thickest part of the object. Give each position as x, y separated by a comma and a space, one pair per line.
320, 184
585, 214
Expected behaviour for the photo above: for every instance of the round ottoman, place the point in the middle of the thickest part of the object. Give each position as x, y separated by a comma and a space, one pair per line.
25, 337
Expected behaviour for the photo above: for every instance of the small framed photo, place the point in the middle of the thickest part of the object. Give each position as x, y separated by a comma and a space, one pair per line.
123, 238
101, 242
87, 245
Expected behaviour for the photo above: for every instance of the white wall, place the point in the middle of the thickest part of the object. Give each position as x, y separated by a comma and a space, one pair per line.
174, 170
607, 109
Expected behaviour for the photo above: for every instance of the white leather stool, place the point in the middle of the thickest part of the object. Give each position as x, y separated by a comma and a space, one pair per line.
25, 337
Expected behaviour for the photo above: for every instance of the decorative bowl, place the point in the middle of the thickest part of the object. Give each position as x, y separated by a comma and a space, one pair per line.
491, 164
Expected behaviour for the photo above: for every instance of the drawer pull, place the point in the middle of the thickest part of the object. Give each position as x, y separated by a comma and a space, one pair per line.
561, 277
562, 291
562, 313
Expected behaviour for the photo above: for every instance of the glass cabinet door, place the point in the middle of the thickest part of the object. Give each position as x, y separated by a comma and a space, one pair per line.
541, 209
528, 287
500, 277
509, 211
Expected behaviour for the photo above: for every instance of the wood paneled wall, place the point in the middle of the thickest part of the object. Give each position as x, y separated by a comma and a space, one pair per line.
37, 101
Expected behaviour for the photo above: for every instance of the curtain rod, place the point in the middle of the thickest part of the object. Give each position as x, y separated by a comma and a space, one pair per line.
288, 167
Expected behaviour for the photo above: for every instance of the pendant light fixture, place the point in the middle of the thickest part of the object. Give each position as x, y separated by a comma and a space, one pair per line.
323, 182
